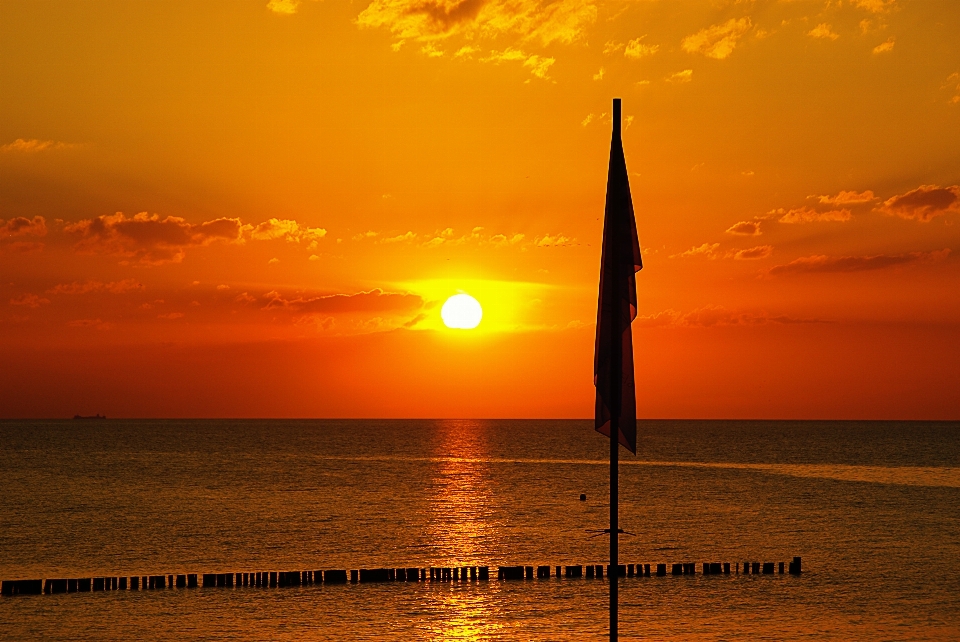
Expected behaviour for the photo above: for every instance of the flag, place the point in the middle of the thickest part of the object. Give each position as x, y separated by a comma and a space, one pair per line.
617, 306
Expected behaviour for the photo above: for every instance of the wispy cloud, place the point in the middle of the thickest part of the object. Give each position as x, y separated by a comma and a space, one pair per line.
823, 32
681, 76
149, 239
884, 47
847, 198
22, 226
32, 146
283, 7
537, 65
636, 49
715, 315
875, 6
286, 229
840, 264
754, 253
29, 301
373, 301
717, 41
810, 215
708, 250
924, 203
86, 287
547, 22
745, 228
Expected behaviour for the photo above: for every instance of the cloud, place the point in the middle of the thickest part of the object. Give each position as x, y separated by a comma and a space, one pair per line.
171, 315
838, 264
717, 41
547, 22
32, 145
89, 323
612, 47
415, 320
885, 46
753, 253
875, 6
708, 250
409, 236
22, 226
29, 301
681, 76
283, 7
374, 301
501, 239
712, 316
745, 228
637, 50
810, 215
113, 287
847, 198
431, 51
923, 203
538, 65
148, 238
287, 229
822, 30
557, 240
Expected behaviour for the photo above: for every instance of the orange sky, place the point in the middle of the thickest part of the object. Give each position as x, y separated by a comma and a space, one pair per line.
256, 209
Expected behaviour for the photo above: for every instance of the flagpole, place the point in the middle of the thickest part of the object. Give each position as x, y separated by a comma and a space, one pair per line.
616, 376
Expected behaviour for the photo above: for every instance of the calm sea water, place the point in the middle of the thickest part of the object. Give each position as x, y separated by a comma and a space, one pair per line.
872, 507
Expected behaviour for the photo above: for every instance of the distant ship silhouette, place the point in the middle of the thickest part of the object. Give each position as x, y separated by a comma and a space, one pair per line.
96, 416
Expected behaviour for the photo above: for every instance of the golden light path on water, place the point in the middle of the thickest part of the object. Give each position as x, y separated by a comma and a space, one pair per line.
460, 520
928, 476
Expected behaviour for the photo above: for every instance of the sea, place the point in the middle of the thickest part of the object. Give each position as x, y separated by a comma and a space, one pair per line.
873, 509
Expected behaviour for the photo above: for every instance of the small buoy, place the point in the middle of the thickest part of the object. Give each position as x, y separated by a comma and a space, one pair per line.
583, 497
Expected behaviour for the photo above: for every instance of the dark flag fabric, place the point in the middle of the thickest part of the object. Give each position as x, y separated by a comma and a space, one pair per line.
617, 306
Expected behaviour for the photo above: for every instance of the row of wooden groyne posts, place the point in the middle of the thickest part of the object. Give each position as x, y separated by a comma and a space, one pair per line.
277, 579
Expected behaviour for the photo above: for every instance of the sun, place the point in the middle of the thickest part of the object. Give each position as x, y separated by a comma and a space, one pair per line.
462, 312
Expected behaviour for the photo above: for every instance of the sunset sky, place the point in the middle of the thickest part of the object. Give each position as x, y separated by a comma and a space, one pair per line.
256, 209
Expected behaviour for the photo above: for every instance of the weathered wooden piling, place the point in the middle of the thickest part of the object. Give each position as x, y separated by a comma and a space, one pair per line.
335, 576
400, 574
795, 566
510, 573
374, 575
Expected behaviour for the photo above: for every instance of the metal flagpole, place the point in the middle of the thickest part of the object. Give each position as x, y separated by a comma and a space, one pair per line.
616, 389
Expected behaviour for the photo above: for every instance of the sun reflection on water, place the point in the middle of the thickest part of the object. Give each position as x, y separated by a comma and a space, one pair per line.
462, 529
